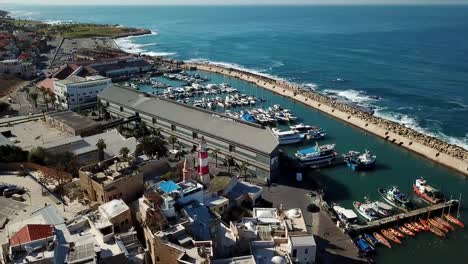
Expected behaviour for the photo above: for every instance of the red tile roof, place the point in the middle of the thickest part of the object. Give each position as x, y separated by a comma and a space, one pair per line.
47, 83
31, 233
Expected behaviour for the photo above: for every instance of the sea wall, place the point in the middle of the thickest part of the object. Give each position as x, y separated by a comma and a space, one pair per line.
433, 148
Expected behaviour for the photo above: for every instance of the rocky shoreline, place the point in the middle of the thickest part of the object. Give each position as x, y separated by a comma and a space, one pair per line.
447, 154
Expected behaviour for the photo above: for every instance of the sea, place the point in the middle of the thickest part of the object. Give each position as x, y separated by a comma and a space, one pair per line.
409, 63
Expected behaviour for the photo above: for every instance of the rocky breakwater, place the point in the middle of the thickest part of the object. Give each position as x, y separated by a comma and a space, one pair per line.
433, 148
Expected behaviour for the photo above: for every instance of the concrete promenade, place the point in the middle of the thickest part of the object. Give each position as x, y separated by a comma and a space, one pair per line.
459, 165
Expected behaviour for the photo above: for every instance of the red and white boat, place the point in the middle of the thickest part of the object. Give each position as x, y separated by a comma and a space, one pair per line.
427, 192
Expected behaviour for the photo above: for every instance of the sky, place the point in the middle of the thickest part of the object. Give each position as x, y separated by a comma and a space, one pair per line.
229, 2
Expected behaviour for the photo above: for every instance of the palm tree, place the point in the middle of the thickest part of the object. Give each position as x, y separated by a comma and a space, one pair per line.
216, 152
99, 108
45, 97
101, 145
124, 153
243, 169
173, 141
51, 96
33, 96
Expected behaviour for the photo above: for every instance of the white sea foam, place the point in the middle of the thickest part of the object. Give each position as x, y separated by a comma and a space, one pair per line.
58, 22
311, 86
129, 45
352, 95
413, 123
235, 66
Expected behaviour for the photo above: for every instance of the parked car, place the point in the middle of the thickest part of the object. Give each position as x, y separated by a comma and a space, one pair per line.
11, 190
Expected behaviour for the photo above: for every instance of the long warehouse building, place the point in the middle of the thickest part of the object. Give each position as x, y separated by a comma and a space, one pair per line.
255, 145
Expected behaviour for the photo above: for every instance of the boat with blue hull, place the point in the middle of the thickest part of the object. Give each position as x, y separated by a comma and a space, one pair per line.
318, 155
357, 161
396, 198
364, 246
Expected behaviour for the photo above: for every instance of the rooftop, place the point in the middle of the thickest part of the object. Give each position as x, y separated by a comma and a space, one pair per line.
31, 232
302, 241
236, 260
114, 208
74, 120
248, 136
168, 186
244, 188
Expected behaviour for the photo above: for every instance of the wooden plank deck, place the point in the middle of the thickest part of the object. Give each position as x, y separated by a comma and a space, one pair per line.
402, 217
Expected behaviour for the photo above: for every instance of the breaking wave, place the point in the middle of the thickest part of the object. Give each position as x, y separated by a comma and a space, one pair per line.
413, 123
352, 95
129, 45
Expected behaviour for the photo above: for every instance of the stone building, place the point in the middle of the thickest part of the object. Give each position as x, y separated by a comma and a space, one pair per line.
111, 179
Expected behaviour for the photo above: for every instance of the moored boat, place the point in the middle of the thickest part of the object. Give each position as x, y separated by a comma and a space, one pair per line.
366, 211
434, 223
411, 227
382, 209
454, 220
420, 226
371, 239
394, 197
364, 246
427, 192
345, 215
363, 161
444, 223
405, 231
324, 154
288, 137
436, 231
382, 240
395, 233
391, 236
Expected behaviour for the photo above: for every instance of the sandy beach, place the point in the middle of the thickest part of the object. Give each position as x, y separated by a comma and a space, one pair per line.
435, 149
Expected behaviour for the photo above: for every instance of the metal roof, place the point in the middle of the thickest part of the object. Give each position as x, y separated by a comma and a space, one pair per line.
210, 123
303, 241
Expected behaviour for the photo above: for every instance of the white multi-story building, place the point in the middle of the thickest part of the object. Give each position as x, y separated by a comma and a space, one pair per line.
18, 68
76, 91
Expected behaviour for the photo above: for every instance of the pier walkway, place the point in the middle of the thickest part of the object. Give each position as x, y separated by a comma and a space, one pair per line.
402, 217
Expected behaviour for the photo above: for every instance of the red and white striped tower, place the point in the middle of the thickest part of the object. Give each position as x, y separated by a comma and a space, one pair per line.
203, 168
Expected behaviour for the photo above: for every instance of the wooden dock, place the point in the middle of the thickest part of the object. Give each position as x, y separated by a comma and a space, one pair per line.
433, 210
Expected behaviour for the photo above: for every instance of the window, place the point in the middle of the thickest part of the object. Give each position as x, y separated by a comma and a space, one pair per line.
137, 114
294, 253
306, 251
173, 127
194, 135
121, 109
107, 103
232, 148
154, 120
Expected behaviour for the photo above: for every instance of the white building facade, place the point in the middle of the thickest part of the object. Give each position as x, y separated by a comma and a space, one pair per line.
75, 91
18, 68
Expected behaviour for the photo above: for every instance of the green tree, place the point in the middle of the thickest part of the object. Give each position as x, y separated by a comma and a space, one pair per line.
45, 97
152, 146
34, 96
101, 145
38, 155
124, 153
52, 97
243, 169
12, 154
173, 141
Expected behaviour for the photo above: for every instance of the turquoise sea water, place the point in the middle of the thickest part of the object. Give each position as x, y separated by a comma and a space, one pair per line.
415, 58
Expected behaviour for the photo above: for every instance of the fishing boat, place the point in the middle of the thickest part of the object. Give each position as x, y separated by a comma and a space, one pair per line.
394, 197
436, 231
427, 192
345, 215
391, 236
424, 223
317, 155
454, 220
444, 223
395, 233
364, 246
382, 240
366, 211
248, 117
371, 239
363, 161
305, 128
288, 137
411, 227
433, 222
405, 231
381, 208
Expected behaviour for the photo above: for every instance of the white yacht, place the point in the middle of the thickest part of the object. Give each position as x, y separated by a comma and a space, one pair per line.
288, 137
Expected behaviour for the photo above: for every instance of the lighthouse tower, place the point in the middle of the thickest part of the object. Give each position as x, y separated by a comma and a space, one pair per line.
204, 170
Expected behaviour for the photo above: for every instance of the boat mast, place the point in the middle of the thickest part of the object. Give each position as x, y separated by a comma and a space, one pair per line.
459, 204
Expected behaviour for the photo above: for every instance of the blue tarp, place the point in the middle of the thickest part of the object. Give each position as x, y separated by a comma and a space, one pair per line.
308, 150
168, 186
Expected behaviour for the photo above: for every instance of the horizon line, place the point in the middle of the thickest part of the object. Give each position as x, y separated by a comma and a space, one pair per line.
253, 4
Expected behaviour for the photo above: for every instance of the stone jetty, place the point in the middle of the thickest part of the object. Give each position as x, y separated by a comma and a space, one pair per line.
433, 148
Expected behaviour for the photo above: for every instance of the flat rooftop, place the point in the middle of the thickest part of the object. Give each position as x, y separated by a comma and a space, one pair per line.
204, 122
74, 120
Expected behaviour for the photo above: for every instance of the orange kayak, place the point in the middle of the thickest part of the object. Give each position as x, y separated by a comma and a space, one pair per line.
395, 233
390, 236
434, 223
444, 223
382, 239
454, 220
411, 227
406, 231
436, 231
419, 226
